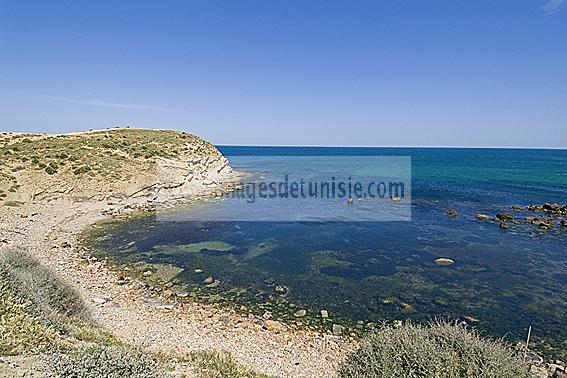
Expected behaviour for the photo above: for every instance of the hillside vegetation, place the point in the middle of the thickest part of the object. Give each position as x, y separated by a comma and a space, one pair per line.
85, 164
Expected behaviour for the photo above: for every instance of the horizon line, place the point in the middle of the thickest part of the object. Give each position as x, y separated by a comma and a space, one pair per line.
369, 146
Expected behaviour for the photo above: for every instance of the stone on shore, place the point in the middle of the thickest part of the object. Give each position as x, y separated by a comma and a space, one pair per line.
273, 325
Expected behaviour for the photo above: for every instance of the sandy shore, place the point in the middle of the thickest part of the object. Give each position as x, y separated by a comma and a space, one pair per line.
50, 232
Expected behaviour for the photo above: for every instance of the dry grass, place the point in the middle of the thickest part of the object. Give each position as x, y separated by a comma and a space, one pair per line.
49, 298
214, 364
89, 156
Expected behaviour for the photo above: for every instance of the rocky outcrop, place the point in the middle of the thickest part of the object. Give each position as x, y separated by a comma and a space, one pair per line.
133, 167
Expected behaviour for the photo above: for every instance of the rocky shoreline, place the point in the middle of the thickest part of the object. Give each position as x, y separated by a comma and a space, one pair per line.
47, 223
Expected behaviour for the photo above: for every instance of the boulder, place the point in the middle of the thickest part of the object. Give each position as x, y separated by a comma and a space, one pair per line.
273, 325
451, 212
209, 280
504, 216
337, 329
300, 313
444, 261
481, 216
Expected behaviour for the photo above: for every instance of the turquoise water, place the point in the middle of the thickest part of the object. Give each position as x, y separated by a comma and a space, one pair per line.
502, 281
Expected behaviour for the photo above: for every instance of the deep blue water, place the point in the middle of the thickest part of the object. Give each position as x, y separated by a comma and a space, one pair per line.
502, 281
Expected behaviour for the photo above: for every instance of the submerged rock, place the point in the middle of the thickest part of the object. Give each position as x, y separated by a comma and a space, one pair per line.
504, 216
504, 225
209, 280
482, 216
214, 284
281, 289
451, 212
407, 309
444, 261
300, 313
337, 329
564, 223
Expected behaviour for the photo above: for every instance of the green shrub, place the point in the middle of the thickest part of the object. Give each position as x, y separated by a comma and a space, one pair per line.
50, 299
82, 169
438, 350
50, 170
220, 364
20, 331
107, 362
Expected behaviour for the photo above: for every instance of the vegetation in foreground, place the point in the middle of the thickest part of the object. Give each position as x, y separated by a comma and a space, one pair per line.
42, 315
432, 351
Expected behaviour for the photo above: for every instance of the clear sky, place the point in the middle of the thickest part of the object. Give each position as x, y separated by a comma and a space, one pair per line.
370, 73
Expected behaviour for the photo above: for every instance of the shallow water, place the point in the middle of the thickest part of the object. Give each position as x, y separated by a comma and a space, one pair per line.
502, 281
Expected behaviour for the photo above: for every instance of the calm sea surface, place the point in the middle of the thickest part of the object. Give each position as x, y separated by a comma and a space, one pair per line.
502, 281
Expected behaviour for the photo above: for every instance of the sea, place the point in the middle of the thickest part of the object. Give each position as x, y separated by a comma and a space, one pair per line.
371, 266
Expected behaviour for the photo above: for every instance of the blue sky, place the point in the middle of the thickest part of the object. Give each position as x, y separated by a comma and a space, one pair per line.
370, 73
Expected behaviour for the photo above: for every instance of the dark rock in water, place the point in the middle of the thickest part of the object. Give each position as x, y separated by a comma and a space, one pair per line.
553, 207
504, 216
503, 225
543, 226
517, 208
564, 223
451, 212
349, 201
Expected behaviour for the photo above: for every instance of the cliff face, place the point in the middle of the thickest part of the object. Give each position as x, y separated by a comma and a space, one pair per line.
138, 166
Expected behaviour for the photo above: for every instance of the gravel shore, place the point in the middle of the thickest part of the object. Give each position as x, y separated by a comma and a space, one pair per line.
49, 231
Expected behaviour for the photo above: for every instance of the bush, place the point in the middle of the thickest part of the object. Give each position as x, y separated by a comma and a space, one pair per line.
214, 364
51, 168
438, 350
20, 332
107, 362
82, 169
51, 299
